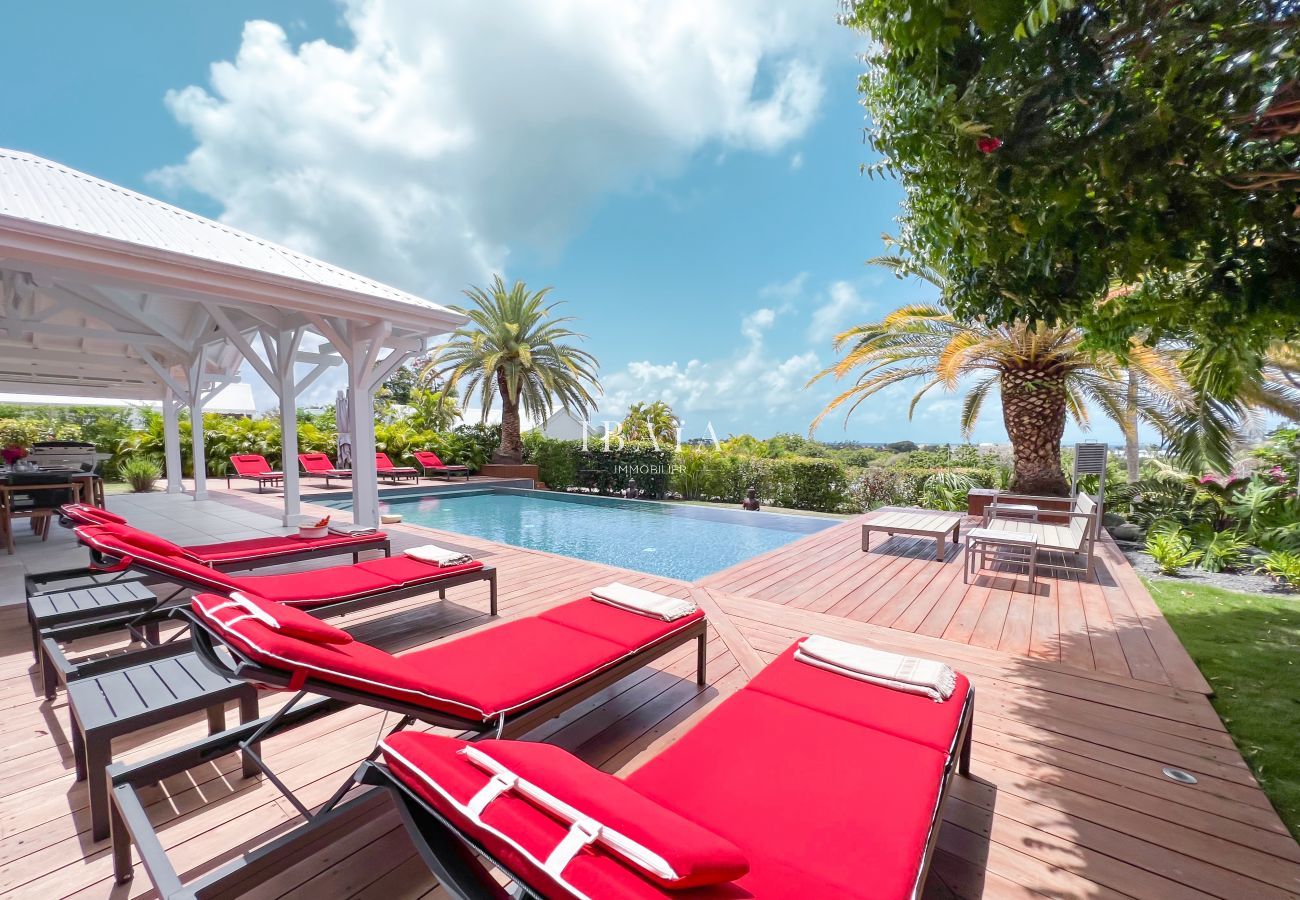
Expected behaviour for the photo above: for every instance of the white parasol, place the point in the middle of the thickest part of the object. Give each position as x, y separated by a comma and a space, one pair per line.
343, 422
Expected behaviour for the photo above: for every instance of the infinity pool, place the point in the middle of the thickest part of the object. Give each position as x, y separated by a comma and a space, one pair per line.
678, 541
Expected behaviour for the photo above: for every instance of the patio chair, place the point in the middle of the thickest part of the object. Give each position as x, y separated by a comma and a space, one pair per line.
254, 468
1076, 537
330, 591
434, 466
503, 680
805, 783
319, 465
384, 468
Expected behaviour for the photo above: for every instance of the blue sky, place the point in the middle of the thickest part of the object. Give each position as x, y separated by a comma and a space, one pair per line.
685, 175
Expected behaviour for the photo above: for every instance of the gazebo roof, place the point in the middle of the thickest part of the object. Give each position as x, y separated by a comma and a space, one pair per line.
102, 289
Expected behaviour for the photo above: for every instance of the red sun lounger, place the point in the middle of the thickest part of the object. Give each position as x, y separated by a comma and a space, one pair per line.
321, 466
251, 553
806, 783
433, 465
384, 468
504, 679
254, 468
330, 591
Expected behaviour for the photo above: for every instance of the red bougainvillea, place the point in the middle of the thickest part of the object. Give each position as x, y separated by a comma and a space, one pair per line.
989, 144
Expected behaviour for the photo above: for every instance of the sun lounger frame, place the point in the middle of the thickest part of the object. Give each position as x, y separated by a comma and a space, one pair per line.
130, 820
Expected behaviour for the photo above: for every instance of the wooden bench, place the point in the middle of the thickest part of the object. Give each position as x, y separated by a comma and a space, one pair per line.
1077, 536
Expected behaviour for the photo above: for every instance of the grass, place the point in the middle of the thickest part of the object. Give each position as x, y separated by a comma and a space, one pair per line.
1248, 647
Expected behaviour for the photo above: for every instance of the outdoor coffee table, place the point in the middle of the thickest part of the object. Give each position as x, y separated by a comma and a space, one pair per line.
919, 522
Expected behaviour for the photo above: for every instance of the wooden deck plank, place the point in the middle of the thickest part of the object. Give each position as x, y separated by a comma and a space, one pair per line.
1068, 799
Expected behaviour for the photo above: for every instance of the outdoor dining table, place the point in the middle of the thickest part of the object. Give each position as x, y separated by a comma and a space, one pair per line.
81, 485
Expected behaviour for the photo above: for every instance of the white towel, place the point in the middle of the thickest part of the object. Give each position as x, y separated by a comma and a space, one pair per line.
347, 529
647, 603
439, 556
927, 677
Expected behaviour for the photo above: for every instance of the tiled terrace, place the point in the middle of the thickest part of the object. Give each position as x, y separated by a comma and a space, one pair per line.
1068, 798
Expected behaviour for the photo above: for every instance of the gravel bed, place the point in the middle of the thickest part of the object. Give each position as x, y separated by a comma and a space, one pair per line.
1244, 582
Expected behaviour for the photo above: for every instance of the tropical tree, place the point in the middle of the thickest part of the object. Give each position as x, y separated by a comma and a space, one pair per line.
651, 422
1044, 374
1050, 150
433, 409
515, 348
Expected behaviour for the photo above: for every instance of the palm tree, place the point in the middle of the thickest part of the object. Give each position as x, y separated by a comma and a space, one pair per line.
1043, 373
515, 348
654, 422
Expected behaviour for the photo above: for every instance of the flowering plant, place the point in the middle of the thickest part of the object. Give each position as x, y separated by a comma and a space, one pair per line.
988, 144
13, 453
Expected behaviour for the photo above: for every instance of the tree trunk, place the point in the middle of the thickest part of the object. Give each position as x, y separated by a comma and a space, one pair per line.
1033, 409
1131, 457
511, 451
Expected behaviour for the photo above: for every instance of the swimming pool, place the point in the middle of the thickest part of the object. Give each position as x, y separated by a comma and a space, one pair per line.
678, 541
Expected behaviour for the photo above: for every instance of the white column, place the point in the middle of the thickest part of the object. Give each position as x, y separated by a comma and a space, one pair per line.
365, 484
172, 442
200, 452
287, 391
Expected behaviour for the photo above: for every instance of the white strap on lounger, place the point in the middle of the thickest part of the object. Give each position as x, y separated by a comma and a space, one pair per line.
583, 829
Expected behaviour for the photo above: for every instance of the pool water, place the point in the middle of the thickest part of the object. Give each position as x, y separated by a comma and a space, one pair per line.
685, 542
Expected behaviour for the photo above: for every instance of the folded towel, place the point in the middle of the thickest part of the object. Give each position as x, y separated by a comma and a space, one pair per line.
439, 556
347, 529
647, 603
927, 677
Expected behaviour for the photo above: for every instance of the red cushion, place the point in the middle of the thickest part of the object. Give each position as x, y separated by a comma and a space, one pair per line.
502, 669
180, 569
286, 620
270, 547
85, 514
403, 570
625, 628
145, 539
904, 715
514, 665
315, 586
819, 805
251, 464
694, 856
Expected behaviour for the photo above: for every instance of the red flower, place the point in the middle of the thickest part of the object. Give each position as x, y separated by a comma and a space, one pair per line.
989, 144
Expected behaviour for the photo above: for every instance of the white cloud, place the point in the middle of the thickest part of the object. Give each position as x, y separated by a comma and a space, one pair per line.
841, 306
731, 392
796, 162
427, 147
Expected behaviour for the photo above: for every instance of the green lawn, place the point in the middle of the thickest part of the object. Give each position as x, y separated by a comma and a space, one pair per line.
1248, 646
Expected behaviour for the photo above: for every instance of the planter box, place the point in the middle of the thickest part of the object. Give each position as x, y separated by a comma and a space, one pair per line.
492, 470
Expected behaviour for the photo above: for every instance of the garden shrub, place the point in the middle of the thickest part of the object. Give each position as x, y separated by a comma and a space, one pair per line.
556, 461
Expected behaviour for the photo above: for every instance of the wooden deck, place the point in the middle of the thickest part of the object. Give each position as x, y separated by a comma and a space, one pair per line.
1109, 625
1068, 799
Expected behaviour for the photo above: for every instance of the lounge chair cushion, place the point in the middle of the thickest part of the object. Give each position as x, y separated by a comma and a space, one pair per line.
611, 623
147, 540
440, 771
268, 547
820, 805
85, 514
502, 669
104, 539
375, 576
908, 716
286, 620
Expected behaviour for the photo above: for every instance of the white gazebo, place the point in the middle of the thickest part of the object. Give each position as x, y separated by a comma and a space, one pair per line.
108, 293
